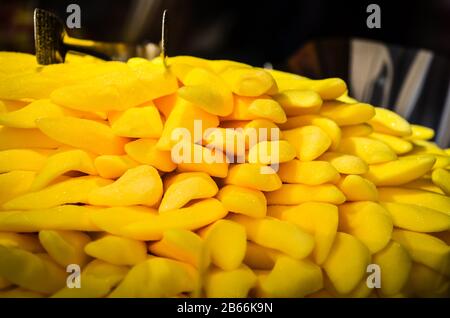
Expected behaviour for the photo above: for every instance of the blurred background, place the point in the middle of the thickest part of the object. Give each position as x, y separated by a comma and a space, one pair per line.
403, 66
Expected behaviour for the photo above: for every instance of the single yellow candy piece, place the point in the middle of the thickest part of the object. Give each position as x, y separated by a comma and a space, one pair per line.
182, 245
98, 278
235, 283
267, 108
346, 164
146, 152
62, 162
423, 184
358, 130
30, 271
182, 122
253, 176
395, 266
369, 150
138, 122
291, 194
117, 250
14, 138
15, 183
425, 249
279, 235
25, 117
113, 166
315, 218
207, 91
327, 125
249, 81
178, 194
117, 90
308, 172
309, 141
193, 217
292, 278
299, 102
23, 159
73, 190
421, 198
421, 133
399, 145
357, 188
400, 171
139, 185
157, 277
347, 262
367, 221
243, 200
65, 217
28, 242
196, 158
83, 133
347, 114
268, 152
441, 178
387, 122
226, 242
228, 140
65, 247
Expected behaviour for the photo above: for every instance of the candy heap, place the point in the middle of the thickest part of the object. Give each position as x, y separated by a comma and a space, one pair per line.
350, 200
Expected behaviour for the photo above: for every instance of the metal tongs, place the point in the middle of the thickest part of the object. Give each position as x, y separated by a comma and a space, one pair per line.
52, 42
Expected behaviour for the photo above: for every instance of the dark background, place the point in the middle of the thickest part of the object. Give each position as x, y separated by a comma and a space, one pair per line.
250, 31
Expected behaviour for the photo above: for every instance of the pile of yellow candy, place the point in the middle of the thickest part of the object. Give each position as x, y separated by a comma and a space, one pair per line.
87, 179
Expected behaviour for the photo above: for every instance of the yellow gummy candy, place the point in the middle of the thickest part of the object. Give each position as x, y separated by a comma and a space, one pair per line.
387, 122
423, 184
292, 278
73, 190
12, 138
315, 218
138, 122
399, 145
425, 249
139, 185
98, 280
113, 166
395, 266
369, 150
253, 176
258, 257
28, 242
146, 152
299, 102
235, 283
157, 277
309, 172
66, 217
441, 178
182, 245
62, 162
180, 193
26, 116
30, 271
268, 152
358, 130
400, 171
83, 133
23, 159
279, 235
243, 200
267, 108
226, 242
420, 132
309, 141
356, 188
15, 183
346, 264
65, 247
346, 164
347, 114
367, 221
291, 194
117, 250
249, 81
